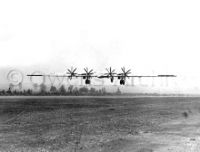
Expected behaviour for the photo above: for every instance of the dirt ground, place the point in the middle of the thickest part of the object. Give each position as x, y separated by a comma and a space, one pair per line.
100, 124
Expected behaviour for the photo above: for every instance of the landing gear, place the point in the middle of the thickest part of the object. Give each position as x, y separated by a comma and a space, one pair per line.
122, 82
111, 79
87, 81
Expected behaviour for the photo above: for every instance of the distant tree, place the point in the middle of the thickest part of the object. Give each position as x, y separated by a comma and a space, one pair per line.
43, 89
62, 90
99, 91
53, 89
20, 85
103, 90
15, 92
70, 89
92, 91
35, 86
3, 92
20, 93
11, 86
76, 91
118, 91
24, 92
83, 90
29, 92
9, 91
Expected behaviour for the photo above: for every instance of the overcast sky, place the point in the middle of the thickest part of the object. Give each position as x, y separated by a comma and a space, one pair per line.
145, 35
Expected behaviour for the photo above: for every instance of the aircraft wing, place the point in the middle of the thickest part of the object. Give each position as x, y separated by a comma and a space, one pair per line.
140, 76
49, 75
54, 75
102, 76
91, 76
136, 76
166, 76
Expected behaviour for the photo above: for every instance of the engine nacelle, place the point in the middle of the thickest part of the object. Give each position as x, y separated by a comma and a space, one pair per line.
84, 77
119, 77
87, 81
122, 82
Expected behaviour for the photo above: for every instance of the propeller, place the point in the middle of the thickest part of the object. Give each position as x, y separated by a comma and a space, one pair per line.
126, 73
88, 72
71, 72
110, 72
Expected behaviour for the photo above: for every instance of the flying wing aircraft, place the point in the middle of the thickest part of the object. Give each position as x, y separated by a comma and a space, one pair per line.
88, 74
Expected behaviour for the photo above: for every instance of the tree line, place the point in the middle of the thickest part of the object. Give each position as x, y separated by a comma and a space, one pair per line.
62, 90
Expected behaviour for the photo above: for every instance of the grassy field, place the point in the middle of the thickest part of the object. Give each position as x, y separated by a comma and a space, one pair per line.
92, 124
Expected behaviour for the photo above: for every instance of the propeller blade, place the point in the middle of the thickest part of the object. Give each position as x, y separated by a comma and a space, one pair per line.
91, 71
74, 70
128, 72
107, 70
123, 69
86, 70
113, 71
69, 71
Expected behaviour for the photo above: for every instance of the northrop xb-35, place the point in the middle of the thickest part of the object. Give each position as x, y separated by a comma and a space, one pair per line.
110, 74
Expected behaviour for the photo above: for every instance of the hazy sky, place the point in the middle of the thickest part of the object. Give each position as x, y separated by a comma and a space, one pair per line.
144, 35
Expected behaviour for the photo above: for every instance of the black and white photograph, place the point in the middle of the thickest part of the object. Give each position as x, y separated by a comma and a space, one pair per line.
99, 76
